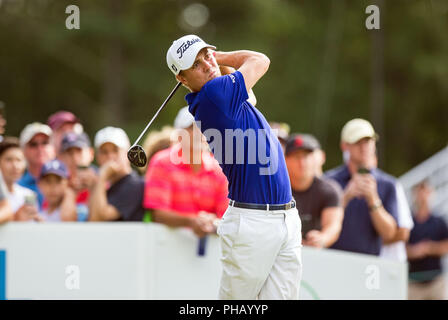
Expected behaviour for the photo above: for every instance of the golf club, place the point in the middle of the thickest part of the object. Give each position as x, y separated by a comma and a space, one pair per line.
136, 154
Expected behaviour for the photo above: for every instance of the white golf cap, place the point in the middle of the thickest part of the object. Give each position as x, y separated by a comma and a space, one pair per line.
184, 119
183, 52
31, 130
117, 136
357, 129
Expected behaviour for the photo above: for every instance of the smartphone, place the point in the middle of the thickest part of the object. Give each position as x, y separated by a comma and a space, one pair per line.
2, 109
363, 170
31, 200
83, 167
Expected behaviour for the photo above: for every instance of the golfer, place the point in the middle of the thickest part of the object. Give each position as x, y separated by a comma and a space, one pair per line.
260, 232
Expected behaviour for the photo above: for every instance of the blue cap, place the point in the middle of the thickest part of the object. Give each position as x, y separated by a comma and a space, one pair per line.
55, 167
75, 140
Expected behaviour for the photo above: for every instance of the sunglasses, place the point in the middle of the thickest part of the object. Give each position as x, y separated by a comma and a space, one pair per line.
36, 144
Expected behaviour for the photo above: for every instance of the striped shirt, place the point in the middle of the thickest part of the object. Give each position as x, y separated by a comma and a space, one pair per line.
176, 187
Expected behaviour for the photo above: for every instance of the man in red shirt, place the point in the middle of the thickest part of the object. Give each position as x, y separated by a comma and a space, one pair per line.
184, 184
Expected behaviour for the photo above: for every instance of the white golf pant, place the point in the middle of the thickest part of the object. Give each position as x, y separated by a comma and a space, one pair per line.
261, 254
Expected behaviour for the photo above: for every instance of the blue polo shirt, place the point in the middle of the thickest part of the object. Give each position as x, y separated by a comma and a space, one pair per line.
428, 268
242, 141
28, 181
358, 233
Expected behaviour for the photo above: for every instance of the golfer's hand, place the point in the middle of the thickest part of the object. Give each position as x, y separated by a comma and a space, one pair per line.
226, 70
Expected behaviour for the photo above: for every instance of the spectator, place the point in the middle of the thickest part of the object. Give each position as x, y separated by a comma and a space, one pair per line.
281, 129
77, 154
53, 182
35, 143
12, 166
318, 201
2, 120
369, 197
157, 141
395, 249
428, 242
186, 194
118, 193
62, 122
6, 213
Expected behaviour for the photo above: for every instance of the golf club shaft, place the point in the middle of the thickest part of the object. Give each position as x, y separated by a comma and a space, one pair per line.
155, 116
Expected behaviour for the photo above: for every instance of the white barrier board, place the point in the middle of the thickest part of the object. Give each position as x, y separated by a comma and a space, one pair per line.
151, 261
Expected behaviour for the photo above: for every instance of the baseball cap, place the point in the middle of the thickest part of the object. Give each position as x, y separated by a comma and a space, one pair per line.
301, 142
55, 167
73, 139
184, 119
31, 130
114, 135
59, 118
281, 129
183, 52
357, 129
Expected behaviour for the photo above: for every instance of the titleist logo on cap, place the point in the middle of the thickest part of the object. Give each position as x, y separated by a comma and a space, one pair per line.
184, 46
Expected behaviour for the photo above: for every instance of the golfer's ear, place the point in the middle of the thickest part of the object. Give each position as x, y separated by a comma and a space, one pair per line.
181, 79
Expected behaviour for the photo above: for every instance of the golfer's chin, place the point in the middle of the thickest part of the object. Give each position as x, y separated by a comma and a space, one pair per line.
213, 75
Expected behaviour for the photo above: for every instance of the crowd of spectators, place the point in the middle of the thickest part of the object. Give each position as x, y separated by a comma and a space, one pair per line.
52, 173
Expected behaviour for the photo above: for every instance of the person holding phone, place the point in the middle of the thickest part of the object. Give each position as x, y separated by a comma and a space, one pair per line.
369, 198
22, 201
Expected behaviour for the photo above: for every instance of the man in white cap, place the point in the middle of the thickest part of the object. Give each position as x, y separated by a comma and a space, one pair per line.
184, 185
36, 146
260, 231
118, 192
370, 198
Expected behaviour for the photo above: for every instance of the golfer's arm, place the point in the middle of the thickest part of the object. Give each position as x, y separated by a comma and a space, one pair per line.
227, 70
172, 219
253, 65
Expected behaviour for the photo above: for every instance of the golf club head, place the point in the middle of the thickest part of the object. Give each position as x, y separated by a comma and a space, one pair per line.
137, 156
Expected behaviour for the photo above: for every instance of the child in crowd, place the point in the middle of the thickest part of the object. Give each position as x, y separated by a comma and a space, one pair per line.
60, 199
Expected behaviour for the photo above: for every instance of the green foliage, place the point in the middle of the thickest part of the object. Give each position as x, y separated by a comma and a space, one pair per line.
113, 72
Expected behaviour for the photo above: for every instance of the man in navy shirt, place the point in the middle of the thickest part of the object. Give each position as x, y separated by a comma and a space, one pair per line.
261, 230
428, 242
369, 198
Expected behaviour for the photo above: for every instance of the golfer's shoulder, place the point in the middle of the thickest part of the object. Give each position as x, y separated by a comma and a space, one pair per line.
224, 85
